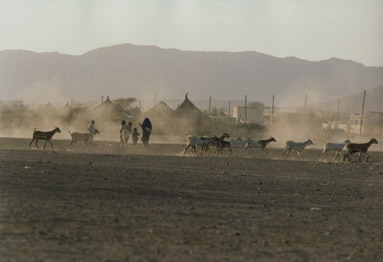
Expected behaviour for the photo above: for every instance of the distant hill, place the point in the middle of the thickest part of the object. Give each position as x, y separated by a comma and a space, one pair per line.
353, 103
140, 71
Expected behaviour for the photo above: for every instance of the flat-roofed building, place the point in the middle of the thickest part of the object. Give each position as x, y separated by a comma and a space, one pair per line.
253, 114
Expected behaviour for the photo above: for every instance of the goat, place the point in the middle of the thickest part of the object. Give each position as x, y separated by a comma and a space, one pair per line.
210, 141
81, 137
238, 143
259, 143
297, 146
214, 141
221, 143
47, 136
194, 141
337, 147
361, 148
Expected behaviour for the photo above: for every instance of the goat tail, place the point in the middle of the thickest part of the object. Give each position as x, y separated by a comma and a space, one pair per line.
34, 129
189, 137
69, 132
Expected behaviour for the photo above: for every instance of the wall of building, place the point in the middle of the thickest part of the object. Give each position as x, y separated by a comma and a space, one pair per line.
253, 114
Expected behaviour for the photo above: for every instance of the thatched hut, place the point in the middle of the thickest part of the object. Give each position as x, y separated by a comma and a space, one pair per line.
162, 117
191, 118
78, 116
15, 114
110, 112
108, 116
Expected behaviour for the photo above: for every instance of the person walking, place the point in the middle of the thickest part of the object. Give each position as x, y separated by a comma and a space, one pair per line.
125, 132
92, 130
146, 131
135, 136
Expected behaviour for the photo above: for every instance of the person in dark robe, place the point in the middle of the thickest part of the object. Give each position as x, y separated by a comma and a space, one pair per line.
146, 131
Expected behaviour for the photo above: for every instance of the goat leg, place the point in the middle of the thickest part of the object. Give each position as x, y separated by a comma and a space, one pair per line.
321, 156
348, 157
186, 148
194, 151
336, 152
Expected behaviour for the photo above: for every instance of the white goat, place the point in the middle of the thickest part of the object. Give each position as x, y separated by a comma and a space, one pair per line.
194, 141
81, 137
337, 147
239, 143
251, 143
296, 146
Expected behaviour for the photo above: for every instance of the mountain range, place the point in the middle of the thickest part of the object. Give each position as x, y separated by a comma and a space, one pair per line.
141, 71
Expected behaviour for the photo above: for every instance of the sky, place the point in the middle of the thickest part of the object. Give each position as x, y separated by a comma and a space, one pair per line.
308, 29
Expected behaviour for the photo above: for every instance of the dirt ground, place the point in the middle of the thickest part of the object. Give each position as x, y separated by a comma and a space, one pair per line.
108, 203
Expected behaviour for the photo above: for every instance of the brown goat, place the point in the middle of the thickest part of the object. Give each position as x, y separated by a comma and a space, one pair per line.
361, 148
47, 136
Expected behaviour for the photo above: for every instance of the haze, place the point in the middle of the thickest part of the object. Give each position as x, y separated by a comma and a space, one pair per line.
313, 30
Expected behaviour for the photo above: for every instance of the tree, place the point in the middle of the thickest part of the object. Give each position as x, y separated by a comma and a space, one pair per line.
214, 112
255, 104
221, 113
125, 102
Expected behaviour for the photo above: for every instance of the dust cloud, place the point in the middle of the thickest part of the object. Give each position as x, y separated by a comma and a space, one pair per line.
169, 125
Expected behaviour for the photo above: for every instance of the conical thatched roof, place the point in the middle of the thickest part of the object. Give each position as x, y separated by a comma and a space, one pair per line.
67, 106
160, 110
189, 110
48, 107
17, 105
106, 105
111, 110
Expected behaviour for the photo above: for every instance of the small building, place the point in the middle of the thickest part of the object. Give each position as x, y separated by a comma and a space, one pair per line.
372, 123
253, 114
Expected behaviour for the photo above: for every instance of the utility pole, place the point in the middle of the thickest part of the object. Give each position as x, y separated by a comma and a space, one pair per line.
361, 117
209, 104
245, 108
305, 102
228, 112
272, 111
155, 98
337, 117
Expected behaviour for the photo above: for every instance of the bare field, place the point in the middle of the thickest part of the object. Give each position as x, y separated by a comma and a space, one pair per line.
109, 203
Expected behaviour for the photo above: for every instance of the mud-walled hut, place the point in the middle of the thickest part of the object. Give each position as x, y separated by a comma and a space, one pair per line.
191, 120
163, 119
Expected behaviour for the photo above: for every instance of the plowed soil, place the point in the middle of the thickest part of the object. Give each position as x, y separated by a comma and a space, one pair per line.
108, 203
